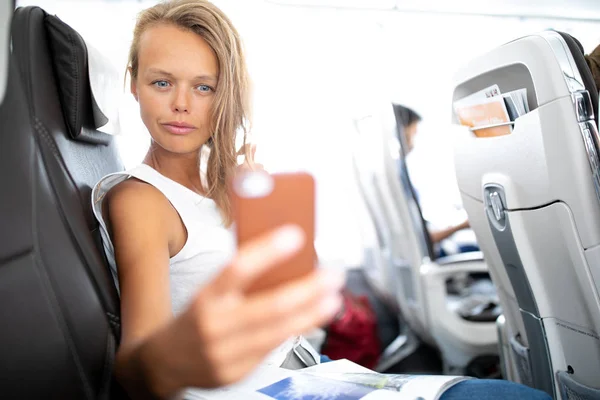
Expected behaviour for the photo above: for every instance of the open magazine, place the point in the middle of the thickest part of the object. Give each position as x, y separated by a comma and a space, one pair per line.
336, 380
491, 113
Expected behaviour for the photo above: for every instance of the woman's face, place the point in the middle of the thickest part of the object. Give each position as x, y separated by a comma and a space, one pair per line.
175, 87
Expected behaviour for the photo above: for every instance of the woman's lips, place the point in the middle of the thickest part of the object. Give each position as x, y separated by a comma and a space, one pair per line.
178, 128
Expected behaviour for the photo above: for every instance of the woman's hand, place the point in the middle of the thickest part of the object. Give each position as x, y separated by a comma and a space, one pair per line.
249, 151
225, 333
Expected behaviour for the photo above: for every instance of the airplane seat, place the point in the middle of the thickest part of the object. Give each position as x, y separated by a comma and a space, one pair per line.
414, 275
60, 307
375, 259
510, 325
532, 196
377, 255
461, 322
577, 51
366, 149
380, 265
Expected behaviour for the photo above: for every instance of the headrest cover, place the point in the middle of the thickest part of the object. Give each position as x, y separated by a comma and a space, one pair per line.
6, 11
78, 69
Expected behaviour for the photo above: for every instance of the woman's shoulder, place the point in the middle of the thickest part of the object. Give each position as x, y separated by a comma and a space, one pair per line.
136, 196
128, 188
136, 202
136, 209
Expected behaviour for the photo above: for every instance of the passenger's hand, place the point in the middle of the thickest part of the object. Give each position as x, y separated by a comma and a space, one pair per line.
225, 333
464, 225
249, 152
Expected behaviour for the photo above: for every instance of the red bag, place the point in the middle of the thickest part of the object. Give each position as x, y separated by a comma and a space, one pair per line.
353, 333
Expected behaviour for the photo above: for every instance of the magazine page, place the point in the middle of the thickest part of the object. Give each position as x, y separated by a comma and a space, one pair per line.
283, 384
338, 366
484, 112
392, 386
519, 99
511, 107
268, 383
310, 386
428, 387
263, 376
491, 107
490, 91
336, 380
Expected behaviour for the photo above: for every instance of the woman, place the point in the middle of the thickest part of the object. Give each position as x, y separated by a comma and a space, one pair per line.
186, 319
166, 228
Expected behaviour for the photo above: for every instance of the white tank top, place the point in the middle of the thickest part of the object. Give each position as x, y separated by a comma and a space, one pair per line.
209, 246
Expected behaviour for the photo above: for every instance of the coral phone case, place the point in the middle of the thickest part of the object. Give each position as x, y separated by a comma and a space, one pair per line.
262, 202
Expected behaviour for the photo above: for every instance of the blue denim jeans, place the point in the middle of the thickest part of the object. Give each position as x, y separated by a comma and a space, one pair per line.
482, 389
325, 359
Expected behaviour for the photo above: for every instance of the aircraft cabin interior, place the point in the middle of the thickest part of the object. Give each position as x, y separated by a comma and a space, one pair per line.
455, 157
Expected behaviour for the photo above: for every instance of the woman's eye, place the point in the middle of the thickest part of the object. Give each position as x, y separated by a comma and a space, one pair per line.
204, 88
161, 84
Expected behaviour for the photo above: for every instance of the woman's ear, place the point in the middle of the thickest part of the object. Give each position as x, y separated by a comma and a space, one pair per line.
133, 85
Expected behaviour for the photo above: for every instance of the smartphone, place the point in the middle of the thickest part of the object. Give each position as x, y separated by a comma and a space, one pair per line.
262, 202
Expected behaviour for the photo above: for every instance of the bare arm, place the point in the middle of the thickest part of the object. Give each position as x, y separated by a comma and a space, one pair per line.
224, 333
141, 233
440, 235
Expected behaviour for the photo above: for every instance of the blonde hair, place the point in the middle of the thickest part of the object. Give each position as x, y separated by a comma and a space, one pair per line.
230, 110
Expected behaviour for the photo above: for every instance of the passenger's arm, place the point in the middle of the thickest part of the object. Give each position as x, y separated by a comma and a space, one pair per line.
438, 236
224, 333
140, 230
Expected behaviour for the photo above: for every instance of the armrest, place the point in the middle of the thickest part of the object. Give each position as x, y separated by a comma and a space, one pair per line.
460, 258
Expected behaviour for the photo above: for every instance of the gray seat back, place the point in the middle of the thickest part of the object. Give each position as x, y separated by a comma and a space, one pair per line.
533, 198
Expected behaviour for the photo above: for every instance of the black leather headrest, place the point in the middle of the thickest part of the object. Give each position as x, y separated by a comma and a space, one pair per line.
588, 80
71, 69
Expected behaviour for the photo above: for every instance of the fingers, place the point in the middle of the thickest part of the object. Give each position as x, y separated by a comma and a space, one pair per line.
254, 343
229, 322
267, 337
319, 290
238, 368
257, 257
238, 330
